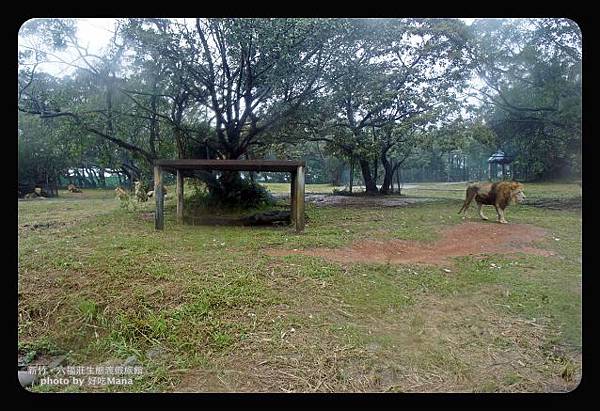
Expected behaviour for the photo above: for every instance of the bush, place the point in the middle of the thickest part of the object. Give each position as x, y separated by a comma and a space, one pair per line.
244, 195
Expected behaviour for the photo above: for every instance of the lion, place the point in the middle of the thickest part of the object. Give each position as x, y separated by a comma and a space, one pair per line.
140, 192
151, 193
121, 194
499, 194
73, 188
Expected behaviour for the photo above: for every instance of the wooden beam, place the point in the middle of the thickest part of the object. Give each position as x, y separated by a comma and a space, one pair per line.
298, 210
179, 197
159, 219
236, 165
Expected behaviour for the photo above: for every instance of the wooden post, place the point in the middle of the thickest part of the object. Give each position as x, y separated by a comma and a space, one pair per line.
292, 199
298, 209
179, 197
159, 221
490, 171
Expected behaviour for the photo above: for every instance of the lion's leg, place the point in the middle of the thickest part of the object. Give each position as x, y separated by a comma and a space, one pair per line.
501, 218
480, 211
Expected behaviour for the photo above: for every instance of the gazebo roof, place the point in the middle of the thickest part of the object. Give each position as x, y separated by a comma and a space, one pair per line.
499, 157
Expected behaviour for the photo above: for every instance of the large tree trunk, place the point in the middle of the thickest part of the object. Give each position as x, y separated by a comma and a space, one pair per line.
336, 174
370, 185
80, 181
388, 175
102, 178
153, 121
375, 170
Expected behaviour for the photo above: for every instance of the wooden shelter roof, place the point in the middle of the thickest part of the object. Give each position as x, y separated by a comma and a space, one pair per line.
237, 165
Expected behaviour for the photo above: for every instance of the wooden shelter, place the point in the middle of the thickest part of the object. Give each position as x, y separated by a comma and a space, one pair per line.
296, 168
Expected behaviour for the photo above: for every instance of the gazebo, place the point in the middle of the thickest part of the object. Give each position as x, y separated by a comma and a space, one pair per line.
296, 168
498, 158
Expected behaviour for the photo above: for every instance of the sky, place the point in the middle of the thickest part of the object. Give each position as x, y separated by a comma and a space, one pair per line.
95, 33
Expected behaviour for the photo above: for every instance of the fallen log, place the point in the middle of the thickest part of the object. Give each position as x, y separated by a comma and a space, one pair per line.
267, 218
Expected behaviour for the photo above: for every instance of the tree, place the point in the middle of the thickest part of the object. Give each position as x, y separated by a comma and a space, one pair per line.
89, 98
248, 75
531, 70
391, 75
43, 156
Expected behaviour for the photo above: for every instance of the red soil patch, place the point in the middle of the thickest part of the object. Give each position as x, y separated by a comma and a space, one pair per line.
459, 240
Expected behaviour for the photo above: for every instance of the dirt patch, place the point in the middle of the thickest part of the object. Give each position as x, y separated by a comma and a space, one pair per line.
459, 240
357, 200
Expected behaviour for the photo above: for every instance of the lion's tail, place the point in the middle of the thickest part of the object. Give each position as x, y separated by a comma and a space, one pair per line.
471, 192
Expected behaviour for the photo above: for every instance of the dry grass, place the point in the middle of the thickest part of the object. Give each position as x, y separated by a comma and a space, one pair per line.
104, 286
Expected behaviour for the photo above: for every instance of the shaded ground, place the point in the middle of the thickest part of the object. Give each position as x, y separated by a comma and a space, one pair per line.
460, 240
556, 203
320, 200
358, 200
362, 201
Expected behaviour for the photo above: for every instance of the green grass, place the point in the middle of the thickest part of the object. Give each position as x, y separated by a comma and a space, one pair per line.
102, 285
309, 188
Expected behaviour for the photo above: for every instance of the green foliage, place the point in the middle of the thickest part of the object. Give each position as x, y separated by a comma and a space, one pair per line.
376, 92
243, 194
532, 74
53, 32
43, 153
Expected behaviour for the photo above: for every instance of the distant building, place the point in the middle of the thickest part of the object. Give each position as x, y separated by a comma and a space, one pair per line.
499, 158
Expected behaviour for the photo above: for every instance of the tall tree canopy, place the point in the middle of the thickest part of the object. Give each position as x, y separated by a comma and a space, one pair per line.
371, 89
531, 69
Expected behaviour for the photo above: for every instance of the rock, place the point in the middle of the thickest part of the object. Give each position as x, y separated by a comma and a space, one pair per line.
155, 353
24, 360
58, 361
131, 361
26, 379
373, 347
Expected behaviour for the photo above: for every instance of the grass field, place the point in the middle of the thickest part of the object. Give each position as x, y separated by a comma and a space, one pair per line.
310, 188
206, 308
